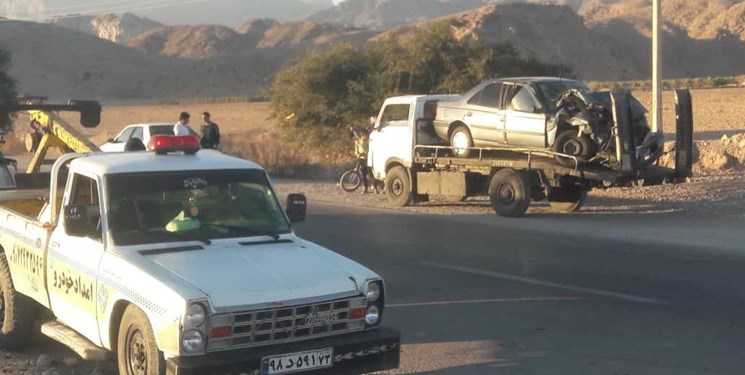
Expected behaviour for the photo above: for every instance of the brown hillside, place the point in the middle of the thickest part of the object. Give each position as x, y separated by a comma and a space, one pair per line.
116, 28
192, 41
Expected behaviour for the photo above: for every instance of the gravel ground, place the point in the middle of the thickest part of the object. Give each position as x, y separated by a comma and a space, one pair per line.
715, 195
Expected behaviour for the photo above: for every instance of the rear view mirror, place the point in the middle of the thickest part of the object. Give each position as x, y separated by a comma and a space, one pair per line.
81, 220
296, 207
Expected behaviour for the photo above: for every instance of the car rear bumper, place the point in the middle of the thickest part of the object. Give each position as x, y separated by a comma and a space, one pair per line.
354, 353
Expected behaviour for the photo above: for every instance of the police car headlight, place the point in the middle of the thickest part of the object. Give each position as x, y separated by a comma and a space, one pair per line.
373, 292
195, 315
373, 315
192, 341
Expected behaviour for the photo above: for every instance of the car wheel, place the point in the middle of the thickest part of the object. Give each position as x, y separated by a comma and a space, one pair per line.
137, 351
569, 143
17, 312
461, 141
509, 193
398, 187
566, 198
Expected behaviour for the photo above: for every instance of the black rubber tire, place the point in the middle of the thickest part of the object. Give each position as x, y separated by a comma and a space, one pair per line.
17, 312
398, 187
461, 153
566, 199
350, 181
509, 193
137, 352
569, 143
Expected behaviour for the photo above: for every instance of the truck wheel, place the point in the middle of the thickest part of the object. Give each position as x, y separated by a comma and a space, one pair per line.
569, 143
460, 141
398, 187
566, 198
509, 193
17, 312
137, 351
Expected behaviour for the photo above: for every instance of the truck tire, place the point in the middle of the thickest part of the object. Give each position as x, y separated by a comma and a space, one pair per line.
136, 350
566, 198
17, 312
509, 193
569, 143
461, 138
398, 187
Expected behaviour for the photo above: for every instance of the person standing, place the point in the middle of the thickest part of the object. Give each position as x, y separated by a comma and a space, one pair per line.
182, 126
210, 132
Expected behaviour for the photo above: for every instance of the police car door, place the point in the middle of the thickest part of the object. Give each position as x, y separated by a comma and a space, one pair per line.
74, 256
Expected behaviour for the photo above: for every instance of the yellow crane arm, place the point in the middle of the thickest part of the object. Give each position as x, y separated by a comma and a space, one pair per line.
57, 133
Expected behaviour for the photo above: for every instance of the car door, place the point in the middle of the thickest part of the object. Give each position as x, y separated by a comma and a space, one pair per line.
525, 120
119, 141
392, 138
73, 262
484, 116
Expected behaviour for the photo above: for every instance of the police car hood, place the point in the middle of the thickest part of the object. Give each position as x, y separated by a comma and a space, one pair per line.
258, 272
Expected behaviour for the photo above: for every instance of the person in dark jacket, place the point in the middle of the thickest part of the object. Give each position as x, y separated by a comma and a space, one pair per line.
210, 132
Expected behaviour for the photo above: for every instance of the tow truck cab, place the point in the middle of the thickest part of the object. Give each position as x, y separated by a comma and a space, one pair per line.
183, 261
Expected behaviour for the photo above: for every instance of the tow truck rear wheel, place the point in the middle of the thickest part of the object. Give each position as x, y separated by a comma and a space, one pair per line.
398, 187
509, 193
17, 312
566, 198
137, 351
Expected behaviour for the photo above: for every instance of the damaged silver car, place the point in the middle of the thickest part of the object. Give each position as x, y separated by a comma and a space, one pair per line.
561, 115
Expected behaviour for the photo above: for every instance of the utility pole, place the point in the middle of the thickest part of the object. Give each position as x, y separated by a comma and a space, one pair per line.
656, 68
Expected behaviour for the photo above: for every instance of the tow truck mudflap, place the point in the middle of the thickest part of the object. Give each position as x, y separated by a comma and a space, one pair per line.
629, 163
354, 353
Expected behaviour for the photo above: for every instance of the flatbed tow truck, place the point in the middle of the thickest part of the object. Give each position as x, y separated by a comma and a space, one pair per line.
179, 261
405, 153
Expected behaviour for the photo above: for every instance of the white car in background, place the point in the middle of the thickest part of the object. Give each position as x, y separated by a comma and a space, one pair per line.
141, 131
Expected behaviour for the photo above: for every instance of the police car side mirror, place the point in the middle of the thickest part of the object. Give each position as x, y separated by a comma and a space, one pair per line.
296, 207
79, 220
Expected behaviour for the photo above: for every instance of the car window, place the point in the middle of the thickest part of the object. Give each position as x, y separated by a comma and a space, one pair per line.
137, 133
524, 101
395, 115
166, 130
123, 137
85, 193
488, 97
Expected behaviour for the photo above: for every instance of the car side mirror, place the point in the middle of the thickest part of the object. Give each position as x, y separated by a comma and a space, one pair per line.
79, 220
297, 206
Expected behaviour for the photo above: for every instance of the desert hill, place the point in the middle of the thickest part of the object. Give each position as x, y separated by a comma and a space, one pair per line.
62, 64
116, 28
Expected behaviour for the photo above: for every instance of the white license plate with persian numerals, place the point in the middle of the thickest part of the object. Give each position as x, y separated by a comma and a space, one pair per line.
302, 361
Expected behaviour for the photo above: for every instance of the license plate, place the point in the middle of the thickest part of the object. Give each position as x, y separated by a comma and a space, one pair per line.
302, 361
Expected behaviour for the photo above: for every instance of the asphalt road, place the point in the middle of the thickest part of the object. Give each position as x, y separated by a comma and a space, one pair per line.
482, 297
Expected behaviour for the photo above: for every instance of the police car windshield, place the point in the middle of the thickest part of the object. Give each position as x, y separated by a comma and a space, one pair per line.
192, 205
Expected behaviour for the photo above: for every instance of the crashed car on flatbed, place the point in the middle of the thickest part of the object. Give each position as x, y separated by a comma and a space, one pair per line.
556, 114
183, 262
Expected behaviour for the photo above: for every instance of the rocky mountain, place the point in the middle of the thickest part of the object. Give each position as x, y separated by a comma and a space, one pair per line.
231, 13
383, 14
60, 63
116, 28
211, 41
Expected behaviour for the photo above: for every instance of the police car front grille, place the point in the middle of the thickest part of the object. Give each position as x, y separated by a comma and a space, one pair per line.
285, 324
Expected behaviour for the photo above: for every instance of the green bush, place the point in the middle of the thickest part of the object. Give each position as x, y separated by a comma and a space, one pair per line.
327, 91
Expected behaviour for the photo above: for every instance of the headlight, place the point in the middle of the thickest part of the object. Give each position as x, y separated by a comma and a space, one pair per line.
192, 341
373, 315
373, 292
195, 315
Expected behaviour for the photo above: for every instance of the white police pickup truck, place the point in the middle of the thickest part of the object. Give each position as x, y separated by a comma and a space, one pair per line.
183, 261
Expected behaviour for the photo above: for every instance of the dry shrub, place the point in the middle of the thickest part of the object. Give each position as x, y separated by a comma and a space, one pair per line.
265, 149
